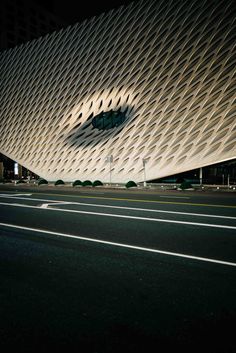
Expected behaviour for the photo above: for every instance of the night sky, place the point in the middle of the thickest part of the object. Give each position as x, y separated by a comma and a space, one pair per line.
76, 11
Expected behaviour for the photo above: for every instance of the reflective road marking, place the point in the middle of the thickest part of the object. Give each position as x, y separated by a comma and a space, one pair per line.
121, 245
123, 216
61, 202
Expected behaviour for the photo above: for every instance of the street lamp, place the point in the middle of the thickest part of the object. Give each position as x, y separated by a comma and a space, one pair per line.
110, 160
200, 175
144, 172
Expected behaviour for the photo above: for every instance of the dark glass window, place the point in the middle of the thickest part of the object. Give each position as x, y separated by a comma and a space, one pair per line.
108, 120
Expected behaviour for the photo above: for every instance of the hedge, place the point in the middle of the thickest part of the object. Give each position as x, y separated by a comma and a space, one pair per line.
97, 183
87, 183
186, 185
42, 182
59, 182
77, 183
130, 184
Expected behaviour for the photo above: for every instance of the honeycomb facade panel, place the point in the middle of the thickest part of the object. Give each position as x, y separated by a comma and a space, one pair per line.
168, 65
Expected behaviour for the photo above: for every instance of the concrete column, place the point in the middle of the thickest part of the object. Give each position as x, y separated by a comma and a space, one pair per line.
19, 171
1, 170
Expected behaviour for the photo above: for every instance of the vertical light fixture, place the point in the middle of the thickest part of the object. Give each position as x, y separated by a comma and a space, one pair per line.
110, 160
144, 172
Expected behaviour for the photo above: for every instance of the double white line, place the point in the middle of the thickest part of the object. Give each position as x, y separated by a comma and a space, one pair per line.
102, 214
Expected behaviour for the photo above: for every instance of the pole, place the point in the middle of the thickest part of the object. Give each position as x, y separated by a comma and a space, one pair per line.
144, 172
110, 170
1, 170
110, 160
200, 175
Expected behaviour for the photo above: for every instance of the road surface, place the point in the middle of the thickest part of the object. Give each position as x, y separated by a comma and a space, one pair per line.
117, 271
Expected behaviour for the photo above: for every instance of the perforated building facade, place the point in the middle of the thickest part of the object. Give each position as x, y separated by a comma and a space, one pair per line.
169, 66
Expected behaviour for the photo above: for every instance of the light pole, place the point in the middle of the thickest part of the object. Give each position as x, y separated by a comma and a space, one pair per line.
110, 160
144, 172
200, 175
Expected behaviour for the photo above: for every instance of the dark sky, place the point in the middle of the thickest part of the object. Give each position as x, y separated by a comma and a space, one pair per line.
76, 10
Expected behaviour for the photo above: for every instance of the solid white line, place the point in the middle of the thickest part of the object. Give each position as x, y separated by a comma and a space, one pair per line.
176, 197
9, 195
123, 216
29, 199
55, 202
120, 245
150, 210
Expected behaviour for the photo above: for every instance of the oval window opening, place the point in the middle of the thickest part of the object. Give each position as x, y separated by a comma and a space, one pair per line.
108, 120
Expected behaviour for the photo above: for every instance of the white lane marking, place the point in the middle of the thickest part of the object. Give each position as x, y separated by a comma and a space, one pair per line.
10, 195
29, 199
50, 202
55, 202
46, 205
124, 216
176, 197
149, 210
120, 244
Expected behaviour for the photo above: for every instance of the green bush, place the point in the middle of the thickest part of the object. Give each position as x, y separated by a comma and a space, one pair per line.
59, 182
87, 183
20, 181
42, 182
97, 183
130, 184
186, 185
77, 183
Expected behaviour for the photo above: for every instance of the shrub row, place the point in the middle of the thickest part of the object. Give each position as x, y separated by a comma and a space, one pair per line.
87, 183
75, 183
184, 184
129, 184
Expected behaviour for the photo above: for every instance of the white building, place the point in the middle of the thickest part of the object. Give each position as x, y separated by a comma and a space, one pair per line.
161, 72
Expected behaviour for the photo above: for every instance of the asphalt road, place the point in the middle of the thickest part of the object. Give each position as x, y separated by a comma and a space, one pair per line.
117, 271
